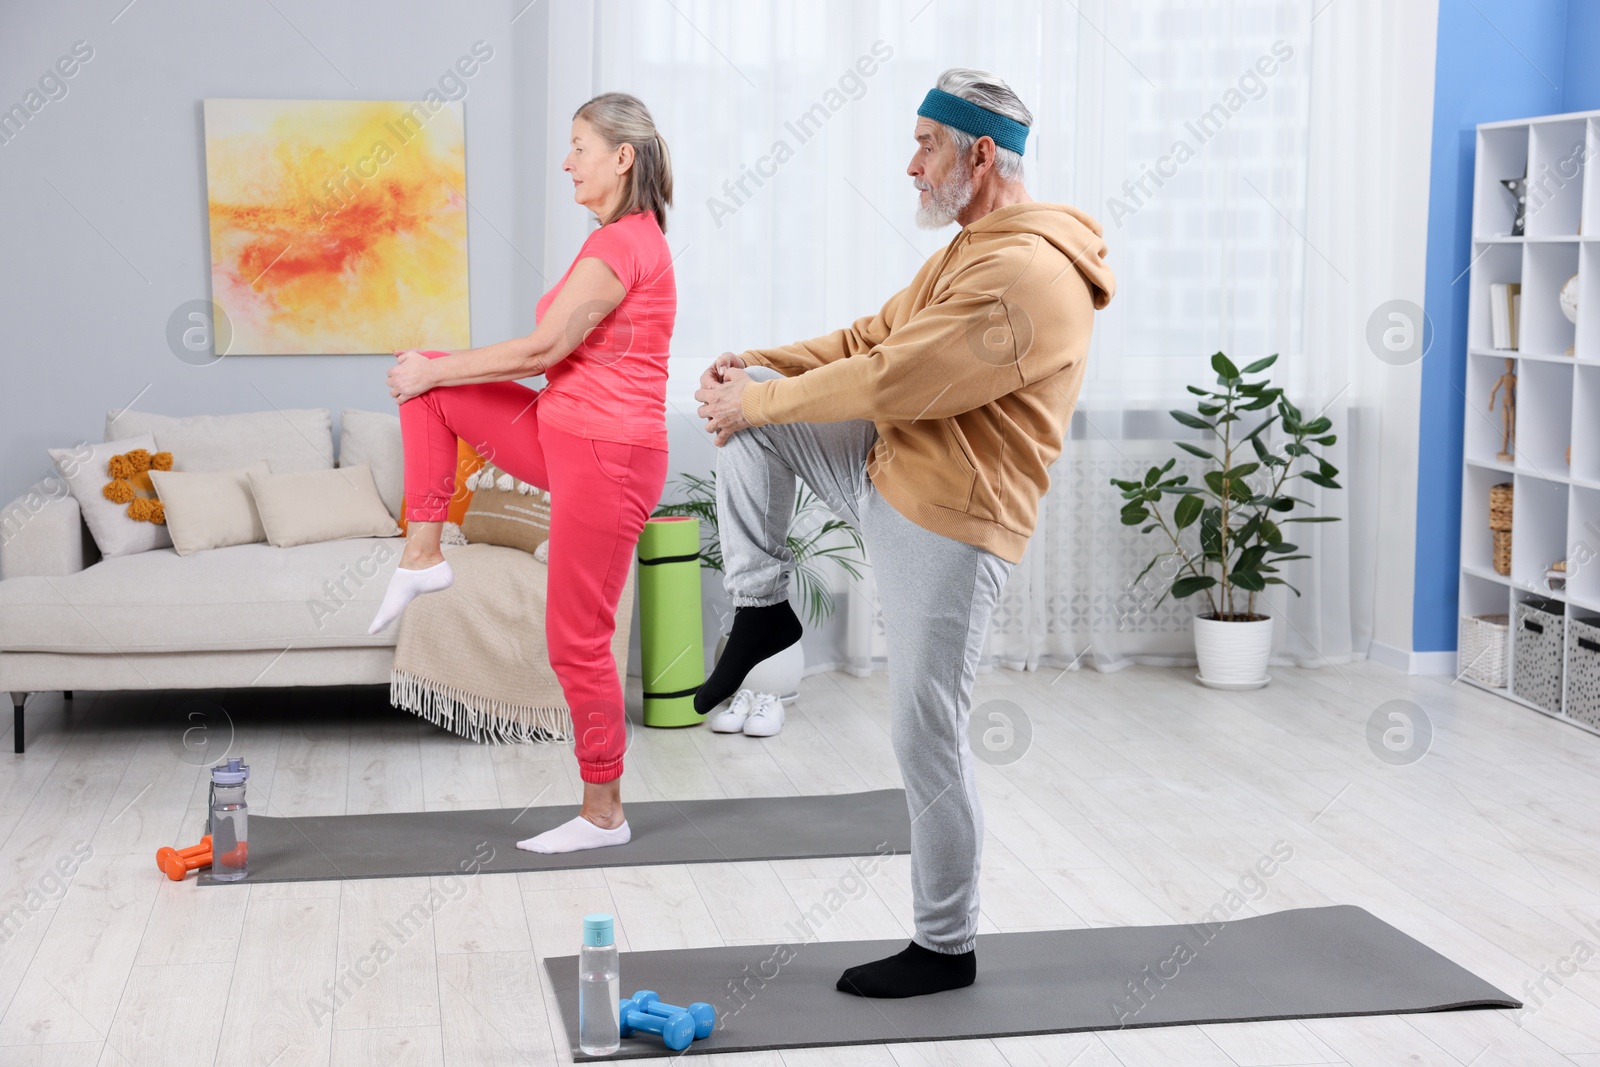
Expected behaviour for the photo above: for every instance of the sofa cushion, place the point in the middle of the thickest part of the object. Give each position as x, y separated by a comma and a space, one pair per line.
373, 438
241, 597
210, 509
294, 439
85, 470
331, 505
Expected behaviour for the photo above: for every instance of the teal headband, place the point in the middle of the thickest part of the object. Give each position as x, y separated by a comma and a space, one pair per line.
968, 117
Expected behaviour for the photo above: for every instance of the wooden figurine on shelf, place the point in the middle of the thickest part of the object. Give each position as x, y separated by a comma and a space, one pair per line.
1508, 410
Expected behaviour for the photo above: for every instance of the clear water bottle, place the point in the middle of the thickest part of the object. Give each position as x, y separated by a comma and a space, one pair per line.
599, 993
230, 842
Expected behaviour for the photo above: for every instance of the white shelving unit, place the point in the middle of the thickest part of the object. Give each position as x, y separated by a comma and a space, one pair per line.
1556, 509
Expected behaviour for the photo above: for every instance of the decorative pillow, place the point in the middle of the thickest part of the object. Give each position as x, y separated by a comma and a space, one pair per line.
506, 511
86, 470
331, 505
210, 509
130, 483
290, 439
374, 439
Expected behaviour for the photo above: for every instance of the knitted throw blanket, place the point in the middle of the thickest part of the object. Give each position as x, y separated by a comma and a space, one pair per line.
473, 657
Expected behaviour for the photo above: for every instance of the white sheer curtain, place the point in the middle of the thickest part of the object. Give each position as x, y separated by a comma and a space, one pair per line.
790, 129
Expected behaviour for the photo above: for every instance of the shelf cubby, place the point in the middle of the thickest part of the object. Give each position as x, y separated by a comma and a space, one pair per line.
1586, 426
1502, 153
1583, 550
1538, 531
1491, 263
1544, 418
1555, 177
1482, 430
1588, 328
1477, 541
1545, 331
1591, 191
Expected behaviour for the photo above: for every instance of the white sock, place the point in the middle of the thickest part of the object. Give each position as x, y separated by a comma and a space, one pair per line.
575, 835
405, 586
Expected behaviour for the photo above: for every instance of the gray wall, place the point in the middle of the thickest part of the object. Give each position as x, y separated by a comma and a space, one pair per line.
103, 195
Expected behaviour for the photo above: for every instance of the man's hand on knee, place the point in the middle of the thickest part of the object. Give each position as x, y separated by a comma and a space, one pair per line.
714, 373
722, 401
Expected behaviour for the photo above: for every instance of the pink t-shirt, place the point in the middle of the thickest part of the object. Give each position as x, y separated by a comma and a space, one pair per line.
613, 386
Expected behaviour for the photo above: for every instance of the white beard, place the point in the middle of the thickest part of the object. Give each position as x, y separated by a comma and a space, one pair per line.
945, 201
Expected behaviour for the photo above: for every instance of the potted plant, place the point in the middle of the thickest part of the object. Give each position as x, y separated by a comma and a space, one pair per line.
811, 540
1238, 514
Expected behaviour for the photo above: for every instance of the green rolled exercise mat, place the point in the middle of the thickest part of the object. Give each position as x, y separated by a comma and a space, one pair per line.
672, 656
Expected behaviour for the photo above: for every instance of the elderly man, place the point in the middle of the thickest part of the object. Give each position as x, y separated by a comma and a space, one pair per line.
929, 426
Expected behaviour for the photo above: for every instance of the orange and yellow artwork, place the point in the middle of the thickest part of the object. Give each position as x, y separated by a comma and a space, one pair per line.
337, 226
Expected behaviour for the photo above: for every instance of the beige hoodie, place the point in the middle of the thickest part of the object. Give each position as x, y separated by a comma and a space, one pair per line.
970, 373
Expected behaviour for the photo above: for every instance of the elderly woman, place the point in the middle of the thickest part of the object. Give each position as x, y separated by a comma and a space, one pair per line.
595, 436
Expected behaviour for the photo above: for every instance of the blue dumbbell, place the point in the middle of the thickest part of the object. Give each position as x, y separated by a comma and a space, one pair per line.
676, 1031
703, 1014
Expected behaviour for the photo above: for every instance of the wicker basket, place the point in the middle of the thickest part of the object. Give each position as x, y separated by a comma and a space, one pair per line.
1502, 552
1500, 507
1485, 644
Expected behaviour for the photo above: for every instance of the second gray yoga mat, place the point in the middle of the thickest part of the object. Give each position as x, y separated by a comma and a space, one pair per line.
1305, 963
409, 844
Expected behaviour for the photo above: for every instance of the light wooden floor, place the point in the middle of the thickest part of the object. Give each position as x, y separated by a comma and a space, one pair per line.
1143, 799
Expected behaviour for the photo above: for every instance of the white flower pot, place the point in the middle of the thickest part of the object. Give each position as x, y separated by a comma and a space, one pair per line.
776, 674
1232, 655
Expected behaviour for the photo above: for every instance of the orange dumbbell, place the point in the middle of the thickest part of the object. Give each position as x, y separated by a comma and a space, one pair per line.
178, 866
193, 850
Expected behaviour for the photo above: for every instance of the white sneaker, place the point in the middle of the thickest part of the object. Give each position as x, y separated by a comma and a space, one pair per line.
767, 718
731, 719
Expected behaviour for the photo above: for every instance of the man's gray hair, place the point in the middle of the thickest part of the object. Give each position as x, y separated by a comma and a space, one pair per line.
987, 91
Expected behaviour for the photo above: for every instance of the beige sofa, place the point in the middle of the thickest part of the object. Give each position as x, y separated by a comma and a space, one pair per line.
245, 615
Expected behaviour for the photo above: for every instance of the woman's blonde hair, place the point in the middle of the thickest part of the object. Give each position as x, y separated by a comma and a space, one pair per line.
622, 118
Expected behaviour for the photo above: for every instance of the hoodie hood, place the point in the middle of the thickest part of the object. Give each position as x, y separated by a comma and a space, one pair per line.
1075, 233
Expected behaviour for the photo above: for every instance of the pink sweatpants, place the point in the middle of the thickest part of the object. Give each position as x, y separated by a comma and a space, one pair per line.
601, 493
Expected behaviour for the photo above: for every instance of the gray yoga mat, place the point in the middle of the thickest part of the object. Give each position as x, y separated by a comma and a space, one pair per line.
409, 844
1305, 963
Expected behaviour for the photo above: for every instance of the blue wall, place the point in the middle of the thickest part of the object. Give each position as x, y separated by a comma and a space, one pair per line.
1496, 59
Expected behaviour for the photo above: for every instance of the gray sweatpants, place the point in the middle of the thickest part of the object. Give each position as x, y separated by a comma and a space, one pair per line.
937, 595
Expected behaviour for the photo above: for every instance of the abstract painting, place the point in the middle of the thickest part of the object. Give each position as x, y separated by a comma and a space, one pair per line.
338, 226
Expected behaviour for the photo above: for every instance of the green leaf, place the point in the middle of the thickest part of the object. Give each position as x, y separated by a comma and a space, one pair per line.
1126, 486
1253, 581
1213, 480
1194, 422
1243, 470
1134, 518
1320, 479
1208, 409
1196, 450
1187, 511
1270, 532
1190, 584
1197, 391
1224, 366
1314, 518
1261, 364
1280, 581
1330, 439
1152, 476
1281, 546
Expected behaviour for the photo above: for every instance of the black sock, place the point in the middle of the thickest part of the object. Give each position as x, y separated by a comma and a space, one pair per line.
758, 632
914, 972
